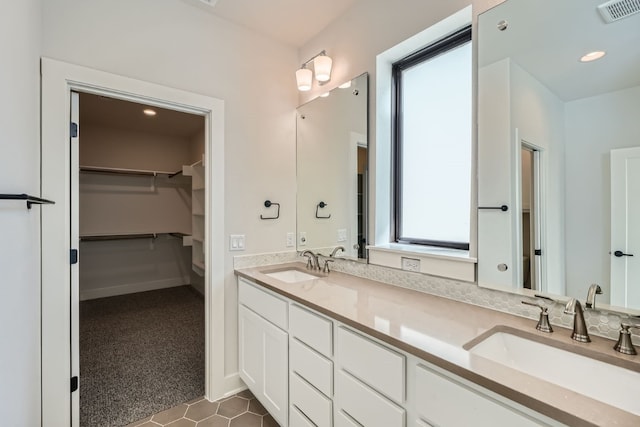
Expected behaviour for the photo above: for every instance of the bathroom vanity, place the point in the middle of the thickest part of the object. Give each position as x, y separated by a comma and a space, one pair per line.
339, 350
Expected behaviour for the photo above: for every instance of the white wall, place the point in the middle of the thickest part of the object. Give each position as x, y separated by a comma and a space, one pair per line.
20, 44
110, 146
173, 43
118, 267
129, 204
594, 126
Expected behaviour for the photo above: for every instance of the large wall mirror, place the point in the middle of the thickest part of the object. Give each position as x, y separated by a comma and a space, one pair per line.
559, 145
332, 171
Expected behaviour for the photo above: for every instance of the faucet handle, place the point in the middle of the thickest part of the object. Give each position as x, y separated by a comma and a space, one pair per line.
624, 344
543, 323
326, 269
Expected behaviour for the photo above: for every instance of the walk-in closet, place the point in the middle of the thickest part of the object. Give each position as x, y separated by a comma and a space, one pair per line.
141, 264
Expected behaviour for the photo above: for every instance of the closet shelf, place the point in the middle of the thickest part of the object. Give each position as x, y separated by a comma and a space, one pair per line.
198, 267
122, 171
128, 236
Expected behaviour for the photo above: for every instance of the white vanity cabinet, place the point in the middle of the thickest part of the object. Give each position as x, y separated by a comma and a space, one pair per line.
263, 348
311, 371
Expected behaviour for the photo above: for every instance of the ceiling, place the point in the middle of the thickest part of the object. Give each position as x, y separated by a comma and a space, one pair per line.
547, 38
110, 112
293, 22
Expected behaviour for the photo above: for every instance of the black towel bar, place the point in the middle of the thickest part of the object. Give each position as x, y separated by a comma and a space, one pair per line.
31, 200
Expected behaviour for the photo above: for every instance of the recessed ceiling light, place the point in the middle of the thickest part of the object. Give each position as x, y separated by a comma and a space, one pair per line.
324, 95
592, 56
149, 112
345, 85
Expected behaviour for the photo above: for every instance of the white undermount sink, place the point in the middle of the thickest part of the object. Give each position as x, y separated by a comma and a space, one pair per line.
599, 380
291, 276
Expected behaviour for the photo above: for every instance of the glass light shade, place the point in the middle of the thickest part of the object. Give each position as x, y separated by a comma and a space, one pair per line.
593, 56
322, 66
303, 78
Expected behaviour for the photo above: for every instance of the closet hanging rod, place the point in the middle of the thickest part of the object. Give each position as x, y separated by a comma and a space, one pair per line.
121, 171
102, 237
31, 200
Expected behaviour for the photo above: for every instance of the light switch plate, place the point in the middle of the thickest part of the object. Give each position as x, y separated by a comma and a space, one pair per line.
291, 237
342, 235
410, 264
236, 242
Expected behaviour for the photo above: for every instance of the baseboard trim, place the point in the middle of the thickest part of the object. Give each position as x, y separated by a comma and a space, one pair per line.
232, 385
131, 288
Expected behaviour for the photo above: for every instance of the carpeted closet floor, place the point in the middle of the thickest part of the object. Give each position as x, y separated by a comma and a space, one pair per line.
140, 354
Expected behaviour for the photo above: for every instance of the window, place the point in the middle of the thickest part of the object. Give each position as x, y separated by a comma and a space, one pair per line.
432, 128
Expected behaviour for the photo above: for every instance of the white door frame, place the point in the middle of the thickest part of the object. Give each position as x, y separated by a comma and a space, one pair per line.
58, 80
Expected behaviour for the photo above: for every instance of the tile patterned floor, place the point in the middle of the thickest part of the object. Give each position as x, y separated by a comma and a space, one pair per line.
240, 410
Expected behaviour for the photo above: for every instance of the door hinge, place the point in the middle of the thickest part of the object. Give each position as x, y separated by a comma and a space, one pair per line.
74, 130
538, 252
74, 384
73, 259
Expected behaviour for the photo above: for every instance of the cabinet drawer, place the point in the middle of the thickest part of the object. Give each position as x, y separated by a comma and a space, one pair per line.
310, 402
311, 366
297, 419
439, 401
311, 329
379, 367
343, 420
268, 306
364, 405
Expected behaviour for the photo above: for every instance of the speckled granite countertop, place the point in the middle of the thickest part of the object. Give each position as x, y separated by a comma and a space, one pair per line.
436, 329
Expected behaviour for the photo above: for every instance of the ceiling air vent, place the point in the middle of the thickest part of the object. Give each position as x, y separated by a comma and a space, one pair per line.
617, 9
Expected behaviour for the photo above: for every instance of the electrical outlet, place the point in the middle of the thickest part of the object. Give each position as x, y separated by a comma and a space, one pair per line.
291, 237
342, 235
302, 240
410, 264
236, 242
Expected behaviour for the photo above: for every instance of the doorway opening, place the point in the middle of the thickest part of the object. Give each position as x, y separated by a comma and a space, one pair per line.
531, 245
141, 271
60, 272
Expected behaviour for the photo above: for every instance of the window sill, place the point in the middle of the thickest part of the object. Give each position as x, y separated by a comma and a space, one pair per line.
444, 262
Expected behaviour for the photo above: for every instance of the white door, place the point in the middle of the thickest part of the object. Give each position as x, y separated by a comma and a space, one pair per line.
625, 227
74, 244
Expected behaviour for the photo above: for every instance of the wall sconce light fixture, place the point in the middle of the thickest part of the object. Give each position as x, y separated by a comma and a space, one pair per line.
322, 68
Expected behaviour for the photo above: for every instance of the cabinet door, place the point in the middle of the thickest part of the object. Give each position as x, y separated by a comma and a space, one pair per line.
263, 358
276, 372
249, 350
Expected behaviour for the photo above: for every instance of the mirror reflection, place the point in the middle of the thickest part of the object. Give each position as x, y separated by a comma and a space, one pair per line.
559, 144
332, 171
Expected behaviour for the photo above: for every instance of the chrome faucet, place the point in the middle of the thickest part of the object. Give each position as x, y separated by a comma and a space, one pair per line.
591, 296
312, 260
335, 251
579, 332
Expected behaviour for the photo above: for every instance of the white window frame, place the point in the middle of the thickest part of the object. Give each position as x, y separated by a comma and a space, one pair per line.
451, 263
